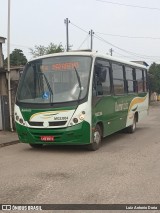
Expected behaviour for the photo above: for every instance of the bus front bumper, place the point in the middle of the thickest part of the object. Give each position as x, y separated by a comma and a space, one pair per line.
74, 135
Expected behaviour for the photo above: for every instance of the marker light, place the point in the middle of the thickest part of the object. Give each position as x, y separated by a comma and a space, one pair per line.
82, 115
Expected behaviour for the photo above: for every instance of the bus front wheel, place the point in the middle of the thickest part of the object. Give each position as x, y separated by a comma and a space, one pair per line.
131, 129
37, 146
97, 139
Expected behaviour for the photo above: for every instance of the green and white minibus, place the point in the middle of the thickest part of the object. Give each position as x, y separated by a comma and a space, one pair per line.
77, 98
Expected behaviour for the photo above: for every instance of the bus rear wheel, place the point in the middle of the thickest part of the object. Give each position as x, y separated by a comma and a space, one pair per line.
97, 139
36, 146
131, 129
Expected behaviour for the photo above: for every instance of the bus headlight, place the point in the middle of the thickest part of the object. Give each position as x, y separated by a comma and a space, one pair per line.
78, 119
18, 116
19, 119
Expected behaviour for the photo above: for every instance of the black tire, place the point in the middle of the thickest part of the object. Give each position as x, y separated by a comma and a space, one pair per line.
131, 129
97, 139
36, 146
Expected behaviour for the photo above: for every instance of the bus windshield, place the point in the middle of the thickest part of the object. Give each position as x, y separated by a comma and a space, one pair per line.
55, 80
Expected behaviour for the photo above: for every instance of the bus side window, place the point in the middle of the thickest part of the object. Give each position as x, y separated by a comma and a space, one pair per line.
139, 80
101, 85
97, 85
118, 78
129, 79
107, 84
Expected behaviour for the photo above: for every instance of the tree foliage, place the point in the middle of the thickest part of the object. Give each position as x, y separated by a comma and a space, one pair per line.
154, 77
42, 50
17, 58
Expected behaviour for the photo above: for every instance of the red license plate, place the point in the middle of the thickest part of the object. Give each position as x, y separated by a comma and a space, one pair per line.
47, 138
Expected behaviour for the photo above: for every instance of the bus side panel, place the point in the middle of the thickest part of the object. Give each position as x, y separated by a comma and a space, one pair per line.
139, 104
104, 111
117, 112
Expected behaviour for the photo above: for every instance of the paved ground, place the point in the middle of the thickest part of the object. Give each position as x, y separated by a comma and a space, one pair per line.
8, 138
124, 170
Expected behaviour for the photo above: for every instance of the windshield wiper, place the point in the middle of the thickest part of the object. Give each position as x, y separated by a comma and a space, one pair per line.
79, 82
49, 87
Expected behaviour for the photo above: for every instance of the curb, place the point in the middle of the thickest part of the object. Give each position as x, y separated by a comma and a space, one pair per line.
8, 143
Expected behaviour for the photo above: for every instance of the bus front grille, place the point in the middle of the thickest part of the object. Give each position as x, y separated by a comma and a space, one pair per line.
53, 123
31, 123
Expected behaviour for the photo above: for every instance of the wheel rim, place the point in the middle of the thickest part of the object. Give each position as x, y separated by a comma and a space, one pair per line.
97, 137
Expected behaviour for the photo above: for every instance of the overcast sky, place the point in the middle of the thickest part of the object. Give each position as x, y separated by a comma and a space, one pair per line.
39, 22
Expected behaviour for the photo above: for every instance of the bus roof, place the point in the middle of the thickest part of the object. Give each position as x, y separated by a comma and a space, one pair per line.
92, 54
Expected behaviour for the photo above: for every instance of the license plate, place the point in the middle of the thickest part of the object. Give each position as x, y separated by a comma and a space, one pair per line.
47, 138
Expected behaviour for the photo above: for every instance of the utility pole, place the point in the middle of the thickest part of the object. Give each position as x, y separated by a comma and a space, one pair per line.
91, 33
66, 21
111, 51
9, 71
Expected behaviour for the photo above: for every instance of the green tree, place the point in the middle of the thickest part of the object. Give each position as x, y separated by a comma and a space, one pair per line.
42, 50
154, 78
17, 58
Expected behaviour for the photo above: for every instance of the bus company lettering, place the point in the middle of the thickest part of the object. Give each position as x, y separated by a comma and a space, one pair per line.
121, 107
60, 118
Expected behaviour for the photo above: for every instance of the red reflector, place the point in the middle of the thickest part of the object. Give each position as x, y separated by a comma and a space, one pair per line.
47, 138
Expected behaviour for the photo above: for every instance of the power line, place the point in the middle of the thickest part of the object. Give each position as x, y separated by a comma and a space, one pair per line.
91, 33
121, 54
126, 36
129, 52
125, 56
129, 5
133, 57
84, 41
79, 27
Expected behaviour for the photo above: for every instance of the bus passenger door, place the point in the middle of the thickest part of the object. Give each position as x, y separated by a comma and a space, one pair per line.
102, 100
